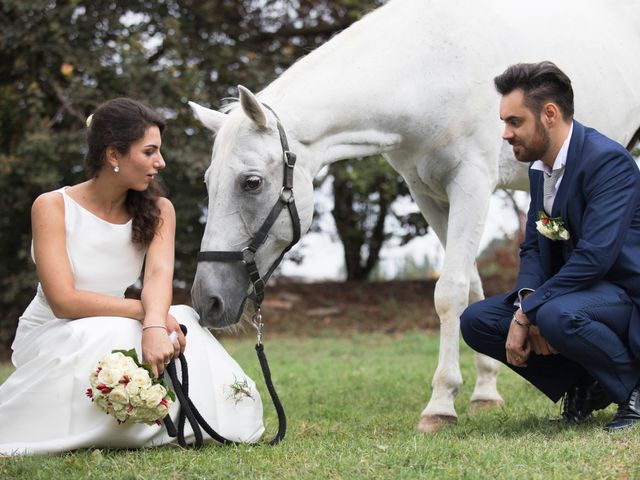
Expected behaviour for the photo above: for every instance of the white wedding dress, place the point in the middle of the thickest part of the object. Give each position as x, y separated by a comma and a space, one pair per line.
43, 406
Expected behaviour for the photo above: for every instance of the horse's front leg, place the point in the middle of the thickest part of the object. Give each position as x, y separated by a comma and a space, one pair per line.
468, 204
485, 393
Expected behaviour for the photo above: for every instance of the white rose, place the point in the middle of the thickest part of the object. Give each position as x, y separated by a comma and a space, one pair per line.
104, 360
140, 415
125, 363
141, 378
135, 414
150, 417
132, 389
161, 411
119, 395
136, 400
114, 358
153, 395
110, 376
102, 402
130, 366
121, 415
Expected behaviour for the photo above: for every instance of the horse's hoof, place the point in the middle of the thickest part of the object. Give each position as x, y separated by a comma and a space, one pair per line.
478, 405
435, 423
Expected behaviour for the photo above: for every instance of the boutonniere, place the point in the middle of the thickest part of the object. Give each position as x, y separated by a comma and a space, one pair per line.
552, 228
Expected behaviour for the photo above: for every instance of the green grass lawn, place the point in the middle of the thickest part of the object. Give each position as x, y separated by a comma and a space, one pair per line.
353, 403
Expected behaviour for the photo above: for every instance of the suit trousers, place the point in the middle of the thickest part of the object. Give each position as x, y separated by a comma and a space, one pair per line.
588, 328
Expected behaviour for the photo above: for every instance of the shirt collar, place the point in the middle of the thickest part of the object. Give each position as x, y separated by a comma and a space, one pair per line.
561, 158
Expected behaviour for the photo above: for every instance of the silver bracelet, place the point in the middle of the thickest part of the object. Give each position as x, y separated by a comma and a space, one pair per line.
525, 325
154, 326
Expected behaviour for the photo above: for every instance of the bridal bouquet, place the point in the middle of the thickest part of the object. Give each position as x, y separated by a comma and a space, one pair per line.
125, 389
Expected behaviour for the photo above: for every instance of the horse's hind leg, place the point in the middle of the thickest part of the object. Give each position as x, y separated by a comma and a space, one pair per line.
485, 393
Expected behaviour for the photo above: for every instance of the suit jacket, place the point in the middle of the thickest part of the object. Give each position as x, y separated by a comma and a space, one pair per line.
599, 203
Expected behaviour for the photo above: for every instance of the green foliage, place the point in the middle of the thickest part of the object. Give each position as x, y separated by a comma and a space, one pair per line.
416, 270
352, 404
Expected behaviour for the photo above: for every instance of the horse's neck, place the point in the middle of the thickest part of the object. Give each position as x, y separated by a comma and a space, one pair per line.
334, 102
334, 126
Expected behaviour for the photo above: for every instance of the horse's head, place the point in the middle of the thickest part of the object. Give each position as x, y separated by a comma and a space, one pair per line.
246, 179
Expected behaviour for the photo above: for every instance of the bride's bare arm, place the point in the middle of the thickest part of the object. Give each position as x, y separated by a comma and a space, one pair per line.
157, 292
54, 268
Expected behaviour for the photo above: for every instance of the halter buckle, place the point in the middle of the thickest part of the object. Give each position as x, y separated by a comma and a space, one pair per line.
258, 284
286, 194
289, 158
248, 255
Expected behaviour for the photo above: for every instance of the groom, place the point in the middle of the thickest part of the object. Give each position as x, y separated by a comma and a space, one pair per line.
572, 325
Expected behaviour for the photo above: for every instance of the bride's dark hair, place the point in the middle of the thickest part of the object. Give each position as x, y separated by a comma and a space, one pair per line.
119, 123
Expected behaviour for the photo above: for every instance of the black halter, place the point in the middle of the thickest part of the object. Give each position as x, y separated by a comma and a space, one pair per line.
247, 254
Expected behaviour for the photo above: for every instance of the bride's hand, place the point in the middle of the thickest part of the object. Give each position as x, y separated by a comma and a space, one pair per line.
157, 349
181, 342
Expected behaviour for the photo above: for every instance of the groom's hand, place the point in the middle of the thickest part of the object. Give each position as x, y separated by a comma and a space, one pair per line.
517, 346
538, 344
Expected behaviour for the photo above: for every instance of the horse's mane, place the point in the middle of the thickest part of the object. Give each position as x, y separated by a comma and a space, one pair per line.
228, 103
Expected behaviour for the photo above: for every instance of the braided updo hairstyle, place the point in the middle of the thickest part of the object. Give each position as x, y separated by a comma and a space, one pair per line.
119, 123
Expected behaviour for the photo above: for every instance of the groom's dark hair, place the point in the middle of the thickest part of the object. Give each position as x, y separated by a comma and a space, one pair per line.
541, 82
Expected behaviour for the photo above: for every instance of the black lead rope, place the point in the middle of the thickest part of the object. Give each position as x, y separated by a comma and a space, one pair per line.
189, 412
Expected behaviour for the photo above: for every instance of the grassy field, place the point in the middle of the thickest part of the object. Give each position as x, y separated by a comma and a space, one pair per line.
353, 402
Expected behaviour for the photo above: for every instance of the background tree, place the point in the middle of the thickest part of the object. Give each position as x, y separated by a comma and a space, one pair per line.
60, 59
364, 191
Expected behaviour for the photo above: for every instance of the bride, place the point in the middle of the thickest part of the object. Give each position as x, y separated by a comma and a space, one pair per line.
90, 242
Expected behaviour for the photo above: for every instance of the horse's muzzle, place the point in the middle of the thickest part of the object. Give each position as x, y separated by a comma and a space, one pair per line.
219, 294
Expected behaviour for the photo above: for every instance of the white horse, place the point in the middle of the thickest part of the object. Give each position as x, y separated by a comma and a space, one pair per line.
412, 81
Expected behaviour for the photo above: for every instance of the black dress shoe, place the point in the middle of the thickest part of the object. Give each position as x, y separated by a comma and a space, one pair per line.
628, 412
582, 400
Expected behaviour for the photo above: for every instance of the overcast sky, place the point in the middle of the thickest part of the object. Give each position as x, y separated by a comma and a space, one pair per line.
323, 257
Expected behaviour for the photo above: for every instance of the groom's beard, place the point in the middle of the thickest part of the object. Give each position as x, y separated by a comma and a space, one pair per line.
534, 149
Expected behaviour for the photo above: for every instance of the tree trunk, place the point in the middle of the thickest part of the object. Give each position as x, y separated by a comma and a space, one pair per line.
350, 214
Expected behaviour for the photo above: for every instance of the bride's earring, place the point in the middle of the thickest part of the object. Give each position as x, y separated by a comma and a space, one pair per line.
116, 169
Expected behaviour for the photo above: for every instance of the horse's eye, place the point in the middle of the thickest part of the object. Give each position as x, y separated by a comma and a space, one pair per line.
252, 182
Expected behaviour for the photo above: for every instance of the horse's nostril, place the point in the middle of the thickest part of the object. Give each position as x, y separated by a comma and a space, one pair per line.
215, 305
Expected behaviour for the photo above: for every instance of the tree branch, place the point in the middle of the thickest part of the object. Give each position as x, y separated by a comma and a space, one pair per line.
49, 86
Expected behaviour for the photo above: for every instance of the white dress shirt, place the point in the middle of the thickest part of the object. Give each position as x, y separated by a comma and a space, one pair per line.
559, 162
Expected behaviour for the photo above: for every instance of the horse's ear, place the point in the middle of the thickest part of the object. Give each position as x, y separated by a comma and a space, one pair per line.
252, 107
211, 119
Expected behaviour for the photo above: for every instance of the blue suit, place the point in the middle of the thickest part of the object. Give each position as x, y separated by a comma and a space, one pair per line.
586, 299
